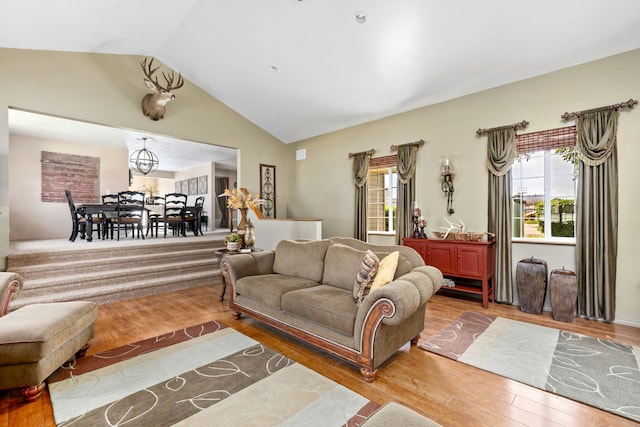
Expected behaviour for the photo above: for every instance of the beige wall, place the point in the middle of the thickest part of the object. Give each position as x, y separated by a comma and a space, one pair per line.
450, 128
30, 217
107, 89
208, 169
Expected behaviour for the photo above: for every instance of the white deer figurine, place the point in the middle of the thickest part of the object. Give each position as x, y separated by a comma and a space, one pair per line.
154, 104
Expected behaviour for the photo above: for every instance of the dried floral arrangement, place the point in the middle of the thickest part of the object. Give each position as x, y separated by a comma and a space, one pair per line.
241, 199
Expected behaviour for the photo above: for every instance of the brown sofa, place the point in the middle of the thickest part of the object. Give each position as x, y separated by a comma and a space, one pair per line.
308, 290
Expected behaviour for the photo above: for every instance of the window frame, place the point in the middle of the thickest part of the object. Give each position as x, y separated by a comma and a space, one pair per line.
387, 163
547, 143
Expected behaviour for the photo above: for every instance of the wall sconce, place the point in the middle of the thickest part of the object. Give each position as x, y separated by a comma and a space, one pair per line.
447, 183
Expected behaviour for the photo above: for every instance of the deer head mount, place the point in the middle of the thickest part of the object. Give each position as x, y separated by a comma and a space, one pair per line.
154, 104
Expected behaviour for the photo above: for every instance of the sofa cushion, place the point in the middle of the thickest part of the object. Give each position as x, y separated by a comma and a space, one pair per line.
327, 305
301, 259
341, 266
386, 270
269, 288
364, 278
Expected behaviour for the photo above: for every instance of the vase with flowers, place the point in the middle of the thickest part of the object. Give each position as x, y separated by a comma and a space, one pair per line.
242, 200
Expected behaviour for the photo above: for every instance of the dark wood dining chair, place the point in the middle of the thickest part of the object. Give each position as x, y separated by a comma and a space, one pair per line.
175, 205
193, 216
109, 218
78, 220
131, 212
155, 207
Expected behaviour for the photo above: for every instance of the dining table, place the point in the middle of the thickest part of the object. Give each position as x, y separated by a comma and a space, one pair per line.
91, 209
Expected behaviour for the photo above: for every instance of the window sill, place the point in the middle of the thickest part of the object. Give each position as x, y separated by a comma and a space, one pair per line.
557, 242
381, 233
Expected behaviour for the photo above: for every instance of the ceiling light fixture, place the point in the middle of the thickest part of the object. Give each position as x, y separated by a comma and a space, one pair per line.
360, 17
144, 161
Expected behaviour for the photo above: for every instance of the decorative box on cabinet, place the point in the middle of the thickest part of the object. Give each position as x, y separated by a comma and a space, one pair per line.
460, 259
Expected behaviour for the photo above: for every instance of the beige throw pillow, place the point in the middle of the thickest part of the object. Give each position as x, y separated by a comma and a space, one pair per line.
386, 270
364, 278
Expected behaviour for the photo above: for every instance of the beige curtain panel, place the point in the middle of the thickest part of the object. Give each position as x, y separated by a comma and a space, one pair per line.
597, 214
360, 172
406, 168
501, 152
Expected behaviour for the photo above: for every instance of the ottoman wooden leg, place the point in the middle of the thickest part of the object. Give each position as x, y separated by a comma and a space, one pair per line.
83, 350
32, 393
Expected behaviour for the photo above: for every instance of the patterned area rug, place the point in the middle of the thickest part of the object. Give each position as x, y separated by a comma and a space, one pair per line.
600, 373
205, 375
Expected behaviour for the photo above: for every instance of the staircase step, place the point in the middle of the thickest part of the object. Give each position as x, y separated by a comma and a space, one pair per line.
130, 290
101, 251
108, 271
83, 266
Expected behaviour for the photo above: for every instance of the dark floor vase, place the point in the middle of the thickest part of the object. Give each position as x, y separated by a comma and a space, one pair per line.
563, 292
531, 281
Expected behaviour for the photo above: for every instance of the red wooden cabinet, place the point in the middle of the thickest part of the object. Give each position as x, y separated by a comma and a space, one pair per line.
460, 259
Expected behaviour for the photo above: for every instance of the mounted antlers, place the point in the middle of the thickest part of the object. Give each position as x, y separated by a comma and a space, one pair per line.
155, 104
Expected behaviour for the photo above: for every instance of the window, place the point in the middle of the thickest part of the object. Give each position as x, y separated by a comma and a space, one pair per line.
382, 184
544, 185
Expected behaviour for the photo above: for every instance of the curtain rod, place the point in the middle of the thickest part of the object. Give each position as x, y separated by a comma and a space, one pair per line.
522, 124
419, 143
626, 104
369, 152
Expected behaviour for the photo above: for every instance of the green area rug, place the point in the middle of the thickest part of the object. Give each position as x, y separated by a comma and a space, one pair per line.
205, 375
600, 373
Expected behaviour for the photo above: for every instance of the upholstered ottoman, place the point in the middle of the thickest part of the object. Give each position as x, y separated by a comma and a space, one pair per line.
393, 414
36, 340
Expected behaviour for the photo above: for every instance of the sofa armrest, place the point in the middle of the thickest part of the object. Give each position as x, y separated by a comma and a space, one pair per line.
237, 266
427, 280
406, 294
402, 294
10, 284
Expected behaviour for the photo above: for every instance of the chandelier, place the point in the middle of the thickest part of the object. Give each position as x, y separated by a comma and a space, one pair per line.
144, 161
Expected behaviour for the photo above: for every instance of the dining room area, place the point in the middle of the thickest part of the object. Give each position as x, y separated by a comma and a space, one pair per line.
62, 181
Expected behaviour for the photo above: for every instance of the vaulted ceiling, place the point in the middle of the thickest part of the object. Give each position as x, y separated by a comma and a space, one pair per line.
301, 68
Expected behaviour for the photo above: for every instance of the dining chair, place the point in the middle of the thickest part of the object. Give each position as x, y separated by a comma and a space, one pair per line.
109, 218
193, 216
78, 220
175, 205
131, 212
155, 207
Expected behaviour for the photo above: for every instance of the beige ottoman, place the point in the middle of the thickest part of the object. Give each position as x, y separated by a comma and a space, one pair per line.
393, 414
36, 340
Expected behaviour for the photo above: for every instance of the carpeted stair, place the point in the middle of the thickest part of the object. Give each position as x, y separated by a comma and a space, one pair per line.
95, 272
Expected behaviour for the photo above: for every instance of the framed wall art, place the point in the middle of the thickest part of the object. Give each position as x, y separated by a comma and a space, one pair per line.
268, 190
202, 184
193, 186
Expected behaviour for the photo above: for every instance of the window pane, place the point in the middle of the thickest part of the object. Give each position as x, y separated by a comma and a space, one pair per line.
562, 192
381, 202
528, 196
544, 183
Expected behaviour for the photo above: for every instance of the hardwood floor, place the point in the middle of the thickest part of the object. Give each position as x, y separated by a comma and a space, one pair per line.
449, 392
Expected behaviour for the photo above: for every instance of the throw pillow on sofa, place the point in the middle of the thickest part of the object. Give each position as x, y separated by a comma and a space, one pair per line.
386, 270
301, 259
364, 279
